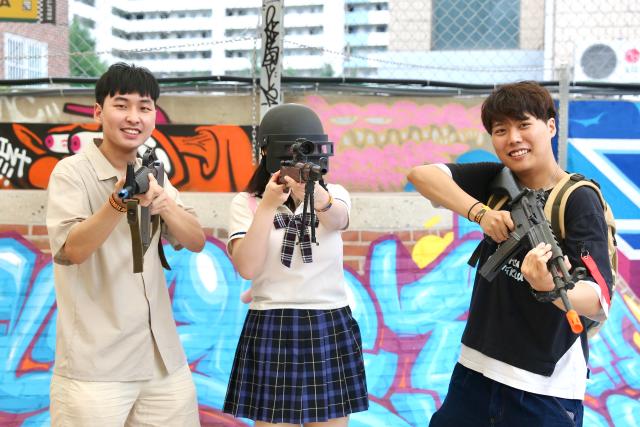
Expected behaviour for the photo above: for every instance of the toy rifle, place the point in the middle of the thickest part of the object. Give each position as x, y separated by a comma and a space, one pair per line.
143, 227
527, 212
301, 169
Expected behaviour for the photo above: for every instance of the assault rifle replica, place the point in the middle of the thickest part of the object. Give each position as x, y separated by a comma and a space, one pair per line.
300, 168
527, 212
306, 160
143, 228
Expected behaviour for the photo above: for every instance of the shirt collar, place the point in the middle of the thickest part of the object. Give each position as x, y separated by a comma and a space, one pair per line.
103, 167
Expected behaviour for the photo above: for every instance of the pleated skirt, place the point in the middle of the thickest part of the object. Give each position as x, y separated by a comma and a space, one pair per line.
297, 366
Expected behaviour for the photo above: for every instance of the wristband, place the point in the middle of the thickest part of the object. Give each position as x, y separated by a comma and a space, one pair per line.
329, 204
472, 206
115, 205
481, 213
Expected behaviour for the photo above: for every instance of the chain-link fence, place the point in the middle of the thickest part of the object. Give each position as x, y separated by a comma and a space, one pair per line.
460, 41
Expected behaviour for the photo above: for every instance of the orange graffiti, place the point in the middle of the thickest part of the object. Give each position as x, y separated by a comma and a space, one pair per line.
29, 139
41, 170
217, 157
199, 158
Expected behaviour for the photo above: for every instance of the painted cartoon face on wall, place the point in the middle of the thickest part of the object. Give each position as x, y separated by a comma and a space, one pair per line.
127, 120
523, 145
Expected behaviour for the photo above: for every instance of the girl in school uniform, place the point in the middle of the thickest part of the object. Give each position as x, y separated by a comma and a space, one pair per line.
299, 357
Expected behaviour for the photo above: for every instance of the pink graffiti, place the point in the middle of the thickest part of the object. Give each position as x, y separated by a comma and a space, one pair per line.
376, 144
338, 118
384, 168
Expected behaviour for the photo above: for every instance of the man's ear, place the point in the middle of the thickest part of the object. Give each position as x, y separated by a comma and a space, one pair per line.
97, 113
551, 124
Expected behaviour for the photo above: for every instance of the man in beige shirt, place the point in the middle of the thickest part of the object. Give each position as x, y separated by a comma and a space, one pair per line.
118, 357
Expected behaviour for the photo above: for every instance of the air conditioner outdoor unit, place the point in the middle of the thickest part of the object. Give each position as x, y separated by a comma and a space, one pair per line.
608, 61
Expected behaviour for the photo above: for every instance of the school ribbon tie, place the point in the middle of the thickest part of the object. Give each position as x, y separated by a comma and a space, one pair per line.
294, 227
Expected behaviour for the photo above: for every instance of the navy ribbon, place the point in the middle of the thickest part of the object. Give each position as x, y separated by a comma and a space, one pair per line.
294, 227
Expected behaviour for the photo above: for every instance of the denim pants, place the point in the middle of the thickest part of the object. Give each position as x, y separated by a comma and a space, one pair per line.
474, 400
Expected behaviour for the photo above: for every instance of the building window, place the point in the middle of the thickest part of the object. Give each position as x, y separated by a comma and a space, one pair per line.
366, 28
244, 11
475, 24
317, 8
366, 7
85, 22
24, 58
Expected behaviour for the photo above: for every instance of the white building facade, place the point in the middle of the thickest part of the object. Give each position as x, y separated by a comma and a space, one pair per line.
202, 37
470, 41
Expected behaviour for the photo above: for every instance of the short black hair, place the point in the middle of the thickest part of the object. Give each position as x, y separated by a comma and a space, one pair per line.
514, 101
124, 78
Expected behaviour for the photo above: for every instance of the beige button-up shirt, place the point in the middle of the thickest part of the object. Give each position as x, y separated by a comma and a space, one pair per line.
108, 316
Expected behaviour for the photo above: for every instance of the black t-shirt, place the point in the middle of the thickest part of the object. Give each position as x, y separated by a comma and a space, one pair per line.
505, 321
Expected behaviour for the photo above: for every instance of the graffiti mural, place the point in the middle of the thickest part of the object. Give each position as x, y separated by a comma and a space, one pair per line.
604, 145
376, 144
29, 108
411, 339
196, 158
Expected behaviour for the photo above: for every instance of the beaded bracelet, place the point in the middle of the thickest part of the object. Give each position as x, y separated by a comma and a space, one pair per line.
472, 206
115, 205
329, 204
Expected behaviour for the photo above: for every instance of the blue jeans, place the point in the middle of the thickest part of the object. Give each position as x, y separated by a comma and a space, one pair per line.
474, 400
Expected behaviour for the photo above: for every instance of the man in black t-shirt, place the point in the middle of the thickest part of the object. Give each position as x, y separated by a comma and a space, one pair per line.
520, 364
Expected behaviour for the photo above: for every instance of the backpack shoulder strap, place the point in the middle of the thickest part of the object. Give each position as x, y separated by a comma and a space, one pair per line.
496, 202
554, 208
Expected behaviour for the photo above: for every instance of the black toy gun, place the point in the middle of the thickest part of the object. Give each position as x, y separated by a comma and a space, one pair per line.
527, 212
302, 170
299, 169
137, 182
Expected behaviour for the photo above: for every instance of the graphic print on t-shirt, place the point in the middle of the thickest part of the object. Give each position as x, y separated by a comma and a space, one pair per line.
512, 269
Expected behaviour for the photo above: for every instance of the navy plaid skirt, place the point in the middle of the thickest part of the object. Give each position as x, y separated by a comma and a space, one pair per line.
297, 366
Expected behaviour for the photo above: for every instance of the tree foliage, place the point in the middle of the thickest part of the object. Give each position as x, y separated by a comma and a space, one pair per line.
83, 60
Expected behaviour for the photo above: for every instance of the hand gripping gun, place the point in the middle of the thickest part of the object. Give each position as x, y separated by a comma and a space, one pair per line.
144, 227
527, 212
308, 164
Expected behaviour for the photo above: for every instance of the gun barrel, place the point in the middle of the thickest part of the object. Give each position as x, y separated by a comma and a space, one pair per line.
572, 316
125, 192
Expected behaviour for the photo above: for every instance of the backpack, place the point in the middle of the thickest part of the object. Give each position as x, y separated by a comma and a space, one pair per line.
554, 210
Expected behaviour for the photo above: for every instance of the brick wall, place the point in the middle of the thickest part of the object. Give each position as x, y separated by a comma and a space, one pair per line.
36, 234
23, 212
356, 243
55, 35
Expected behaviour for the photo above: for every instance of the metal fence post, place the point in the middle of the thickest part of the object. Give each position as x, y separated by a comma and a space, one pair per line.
272, 53
563, 119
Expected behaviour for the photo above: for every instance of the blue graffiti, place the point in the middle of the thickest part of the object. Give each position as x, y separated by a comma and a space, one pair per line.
411, 321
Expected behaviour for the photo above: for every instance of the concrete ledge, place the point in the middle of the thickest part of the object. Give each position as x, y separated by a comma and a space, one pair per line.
370, 211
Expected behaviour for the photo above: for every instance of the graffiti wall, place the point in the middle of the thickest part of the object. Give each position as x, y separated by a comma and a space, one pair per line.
375, 143
411, 339
410, 300
196, 158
